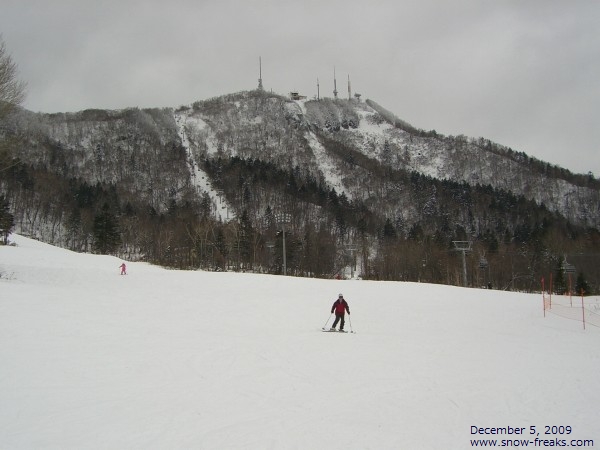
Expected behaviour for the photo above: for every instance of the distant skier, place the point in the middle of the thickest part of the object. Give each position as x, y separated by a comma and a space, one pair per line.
123, 268
340, 306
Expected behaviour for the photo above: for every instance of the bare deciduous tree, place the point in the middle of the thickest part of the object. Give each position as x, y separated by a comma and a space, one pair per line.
12, 90
12, 94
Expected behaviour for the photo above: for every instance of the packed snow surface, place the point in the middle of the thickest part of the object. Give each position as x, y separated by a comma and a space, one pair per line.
163, 359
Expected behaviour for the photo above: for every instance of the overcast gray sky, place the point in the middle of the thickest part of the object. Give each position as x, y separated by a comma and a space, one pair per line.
523, 73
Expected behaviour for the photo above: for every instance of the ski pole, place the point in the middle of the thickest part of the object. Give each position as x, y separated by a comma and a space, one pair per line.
324, 326
350, 322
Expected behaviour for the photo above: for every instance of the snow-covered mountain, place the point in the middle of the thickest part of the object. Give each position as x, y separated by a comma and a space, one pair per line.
346, 168
258, 126
163, 359
322, 137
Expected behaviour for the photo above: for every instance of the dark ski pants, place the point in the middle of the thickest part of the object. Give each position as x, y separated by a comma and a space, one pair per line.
339, 318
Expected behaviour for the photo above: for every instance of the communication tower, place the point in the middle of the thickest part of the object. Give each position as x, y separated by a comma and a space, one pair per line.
335, 92
260, 85
349, 91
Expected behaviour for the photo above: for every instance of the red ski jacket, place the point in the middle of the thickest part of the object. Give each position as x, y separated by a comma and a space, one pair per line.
339, 306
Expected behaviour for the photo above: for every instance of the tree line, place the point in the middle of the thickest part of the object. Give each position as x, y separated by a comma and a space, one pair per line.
514, 241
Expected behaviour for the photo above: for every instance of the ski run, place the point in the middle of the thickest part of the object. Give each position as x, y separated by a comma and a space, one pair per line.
165, 359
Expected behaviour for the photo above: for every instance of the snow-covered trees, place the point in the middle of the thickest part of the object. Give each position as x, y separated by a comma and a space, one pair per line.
395, 195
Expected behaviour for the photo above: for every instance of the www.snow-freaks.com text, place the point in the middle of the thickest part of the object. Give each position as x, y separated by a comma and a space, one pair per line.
530, 436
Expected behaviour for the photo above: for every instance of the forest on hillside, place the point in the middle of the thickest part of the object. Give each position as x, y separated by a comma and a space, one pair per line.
125, 183
514, 241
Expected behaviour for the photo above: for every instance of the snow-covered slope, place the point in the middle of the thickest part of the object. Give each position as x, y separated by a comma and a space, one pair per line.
186, 125
163, 359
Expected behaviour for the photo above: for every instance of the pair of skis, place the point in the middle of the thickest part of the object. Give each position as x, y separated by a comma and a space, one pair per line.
328, 330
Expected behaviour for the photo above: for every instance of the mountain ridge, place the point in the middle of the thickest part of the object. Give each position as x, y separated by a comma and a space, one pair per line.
439, 156
348, 165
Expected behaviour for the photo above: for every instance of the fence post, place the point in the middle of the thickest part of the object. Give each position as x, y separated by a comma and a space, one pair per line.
550, 291
582, 309
543, 297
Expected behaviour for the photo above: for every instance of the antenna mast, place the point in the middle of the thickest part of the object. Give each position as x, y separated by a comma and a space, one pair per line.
318, 94
260, 85
335, 92
349, 92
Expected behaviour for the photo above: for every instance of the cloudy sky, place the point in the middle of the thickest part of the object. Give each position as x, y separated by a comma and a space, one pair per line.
523, 73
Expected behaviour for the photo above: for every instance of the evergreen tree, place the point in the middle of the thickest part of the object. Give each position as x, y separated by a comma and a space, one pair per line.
582, 285
7, 220
386, 154
220, 245
74, 231
560, 284
246, 238
107, 237
389, 232
269, 218
205, 205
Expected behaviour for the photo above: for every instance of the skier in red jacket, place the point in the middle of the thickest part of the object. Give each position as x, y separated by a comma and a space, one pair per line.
340, 306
